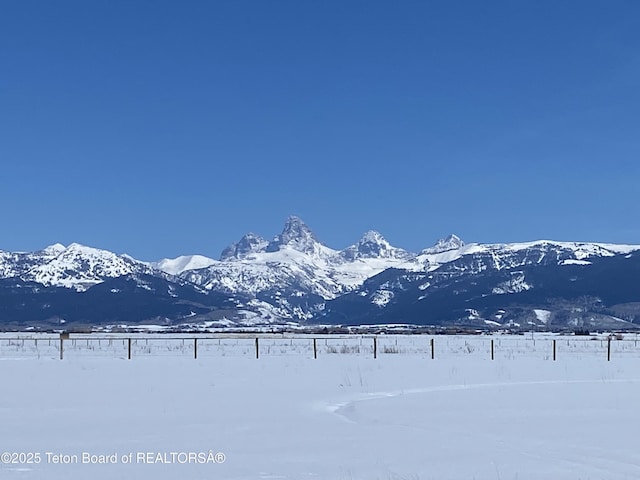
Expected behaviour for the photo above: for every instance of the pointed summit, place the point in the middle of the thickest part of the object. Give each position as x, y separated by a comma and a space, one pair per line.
372, 236
249, 243
373, 245
53, 250
297, 235
452, 242
295, 229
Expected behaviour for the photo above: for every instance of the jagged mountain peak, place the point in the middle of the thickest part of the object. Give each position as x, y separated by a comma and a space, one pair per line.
372, 236
249, 243
295, 229
451, 242
297, 235
373, 245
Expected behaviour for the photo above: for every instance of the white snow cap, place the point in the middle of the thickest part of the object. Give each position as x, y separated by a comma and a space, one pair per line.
54, 249
175, 266
373, 236
452, 242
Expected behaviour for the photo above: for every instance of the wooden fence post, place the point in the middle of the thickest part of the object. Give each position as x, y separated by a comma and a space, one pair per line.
129, 349
375, 347
63, 336
492, 357
257, 349
554, 350
315, 349
433, 349
195, 348
609, 349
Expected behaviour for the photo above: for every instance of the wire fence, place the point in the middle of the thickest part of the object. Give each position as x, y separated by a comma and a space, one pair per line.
494, 347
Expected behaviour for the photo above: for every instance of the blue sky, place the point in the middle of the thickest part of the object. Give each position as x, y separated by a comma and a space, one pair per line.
162, 128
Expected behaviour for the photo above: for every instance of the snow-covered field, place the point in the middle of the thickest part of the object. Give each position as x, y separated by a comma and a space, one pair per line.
345, 415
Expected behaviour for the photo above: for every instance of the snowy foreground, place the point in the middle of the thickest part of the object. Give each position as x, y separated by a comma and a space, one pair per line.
166, 415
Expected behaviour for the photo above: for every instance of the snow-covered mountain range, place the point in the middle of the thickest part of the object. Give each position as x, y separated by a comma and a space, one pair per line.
296, 260
295, 277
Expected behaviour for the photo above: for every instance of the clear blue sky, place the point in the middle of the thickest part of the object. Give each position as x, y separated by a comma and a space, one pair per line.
160, 128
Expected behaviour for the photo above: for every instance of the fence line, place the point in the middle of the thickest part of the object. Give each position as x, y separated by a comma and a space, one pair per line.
315, 346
